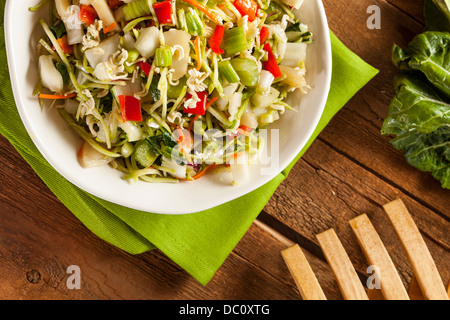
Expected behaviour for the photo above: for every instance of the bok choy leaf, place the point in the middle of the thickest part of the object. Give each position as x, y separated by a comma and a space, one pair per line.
428, 52
419, 116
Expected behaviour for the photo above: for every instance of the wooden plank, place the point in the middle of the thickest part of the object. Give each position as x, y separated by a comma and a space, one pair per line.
351, 168
35, 255
256, 269
355, 131
421, 260
413, 8
375, 294
150, 271
414, 291
34, 264
326, 189
377, 255
302, 273
448, 289
275, 234
266, 259
342, 267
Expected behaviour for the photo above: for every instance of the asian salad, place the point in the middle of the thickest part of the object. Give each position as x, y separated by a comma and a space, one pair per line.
169, 90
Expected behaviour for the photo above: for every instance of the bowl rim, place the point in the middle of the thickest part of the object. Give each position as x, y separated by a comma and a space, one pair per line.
327, 56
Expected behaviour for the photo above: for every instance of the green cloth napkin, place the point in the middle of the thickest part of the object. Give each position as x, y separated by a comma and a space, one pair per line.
198, 242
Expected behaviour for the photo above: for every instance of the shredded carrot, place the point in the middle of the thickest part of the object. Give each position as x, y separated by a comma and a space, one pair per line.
172, 125
180, 135
221, 6
203, 9
237, 155
208, 104
204, 171
81, 151
191, 124
201, 173
109, 28
188, 157
184, 141
198, 53
57, 97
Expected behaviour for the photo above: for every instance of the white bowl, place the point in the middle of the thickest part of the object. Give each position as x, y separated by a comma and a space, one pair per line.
59, 144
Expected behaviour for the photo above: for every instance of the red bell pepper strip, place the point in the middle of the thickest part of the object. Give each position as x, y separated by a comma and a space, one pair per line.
145, 67
163, 11
88, 14
216, 39
200, 108
113, 4
130, 107
247, 8
271, 64
263, 35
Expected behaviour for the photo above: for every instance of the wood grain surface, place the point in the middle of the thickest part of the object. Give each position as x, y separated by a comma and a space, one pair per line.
348, 171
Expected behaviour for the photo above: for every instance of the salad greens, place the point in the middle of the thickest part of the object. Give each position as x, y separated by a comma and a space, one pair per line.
428, 52
168, 90
419, 114
418, 106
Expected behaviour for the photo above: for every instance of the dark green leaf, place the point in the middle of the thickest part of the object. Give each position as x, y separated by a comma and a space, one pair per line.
428, 152
106, 103
419, 115
417, 106
294, 27
156, 144
162, 143
154, 91
61, 67
167, 138
399, 58
58, 30
437, 15
428, 52
175, 154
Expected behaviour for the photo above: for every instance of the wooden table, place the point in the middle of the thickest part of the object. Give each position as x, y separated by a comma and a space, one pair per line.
350, 169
